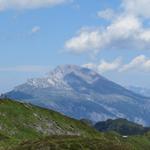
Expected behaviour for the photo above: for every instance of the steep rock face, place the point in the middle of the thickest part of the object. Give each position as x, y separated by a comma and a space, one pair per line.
83, 93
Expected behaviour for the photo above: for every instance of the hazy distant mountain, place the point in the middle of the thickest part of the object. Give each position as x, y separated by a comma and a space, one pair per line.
82, 93
140, 90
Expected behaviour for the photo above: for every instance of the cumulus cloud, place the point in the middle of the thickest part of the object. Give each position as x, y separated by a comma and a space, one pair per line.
137, 7
126, 32
109, 66
28, 4
26, 68
138, 64
85, 40
105, 66
107, 14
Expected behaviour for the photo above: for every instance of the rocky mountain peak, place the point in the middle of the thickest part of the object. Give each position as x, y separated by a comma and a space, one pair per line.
57, 77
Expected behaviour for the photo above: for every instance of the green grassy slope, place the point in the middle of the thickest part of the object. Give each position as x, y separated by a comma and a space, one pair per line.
19, 121
75, 143
28, 127
107, 141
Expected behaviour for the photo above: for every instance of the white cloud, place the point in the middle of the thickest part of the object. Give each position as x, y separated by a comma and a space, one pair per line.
107, 14
87, 39
140, 63
137, 7
126, 32
35, 29
28, 4
90, 66
109, 66
105, 66
27, 68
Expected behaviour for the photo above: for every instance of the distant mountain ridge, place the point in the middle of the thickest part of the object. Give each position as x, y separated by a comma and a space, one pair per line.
82, 93
121, 126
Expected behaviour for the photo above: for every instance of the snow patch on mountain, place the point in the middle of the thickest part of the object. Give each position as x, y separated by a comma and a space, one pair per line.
56, 77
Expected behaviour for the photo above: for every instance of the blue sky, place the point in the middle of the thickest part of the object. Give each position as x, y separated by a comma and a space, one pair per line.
112, 37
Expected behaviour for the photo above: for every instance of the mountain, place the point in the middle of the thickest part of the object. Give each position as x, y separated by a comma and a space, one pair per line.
122, 126
140, 90
83, 93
